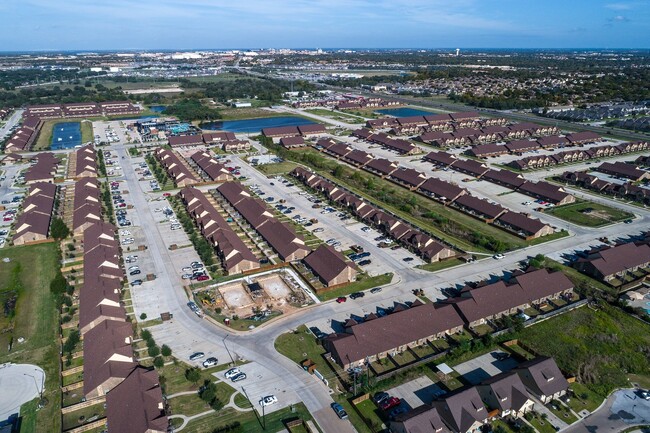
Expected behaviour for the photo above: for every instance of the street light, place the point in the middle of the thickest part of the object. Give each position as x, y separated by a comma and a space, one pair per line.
39, 391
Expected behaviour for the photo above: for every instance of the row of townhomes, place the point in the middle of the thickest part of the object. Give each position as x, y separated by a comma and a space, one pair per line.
445, 192
81, 109
522, 146
422, 244
509, 394
380, 337
111, 374
571, 156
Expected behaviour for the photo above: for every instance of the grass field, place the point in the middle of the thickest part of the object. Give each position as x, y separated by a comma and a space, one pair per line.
363, 283
249, 421
86, 131
277, 168
448, 224
337, 115
44, 136
444, 264
589, 214
36, 320
601, 348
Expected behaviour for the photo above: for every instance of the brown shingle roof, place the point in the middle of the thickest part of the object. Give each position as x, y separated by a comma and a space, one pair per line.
326, 262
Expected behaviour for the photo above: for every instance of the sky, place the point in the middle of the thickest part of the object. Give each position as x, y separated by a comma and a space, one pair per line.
33, 25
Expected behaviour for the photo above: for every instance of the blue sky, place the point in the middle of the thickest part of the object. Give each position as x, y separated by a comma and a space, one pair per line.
179, 24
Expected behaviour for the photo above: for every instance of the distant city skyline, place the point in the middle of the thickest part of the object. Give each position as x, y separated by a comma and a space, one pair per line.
34, 25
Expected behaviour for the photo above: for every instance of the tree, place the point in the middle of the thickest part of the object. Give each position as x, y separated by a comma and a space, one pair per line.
153, 351
59, 284
145, 334
158, 362
193, 375
59, 230
165, 350
143, 316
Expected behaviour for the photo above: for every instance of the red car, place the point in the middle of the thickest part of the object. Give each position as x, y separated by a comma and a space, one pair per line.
341, 299
167, 194
389, 403
202, 278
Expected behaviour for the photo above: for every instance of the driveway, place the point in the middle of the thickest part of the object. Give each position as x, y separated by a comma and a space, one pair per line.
621, 410
485, 366
417, 392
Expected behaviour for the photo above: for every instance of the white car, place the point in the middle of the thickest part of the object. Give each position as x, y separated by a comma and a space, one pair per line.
268, 400
498, 256
232, 373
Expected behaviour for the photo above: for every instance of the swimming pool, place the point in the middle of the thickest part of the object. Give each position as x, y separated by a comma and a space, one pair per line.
404, 112
65, 135
255, 125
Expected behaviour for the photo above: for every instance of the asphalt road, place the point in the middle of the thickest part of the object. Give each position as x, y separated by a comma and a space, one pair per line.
622, 409
11, 122
19, 383
258, 344
258, 347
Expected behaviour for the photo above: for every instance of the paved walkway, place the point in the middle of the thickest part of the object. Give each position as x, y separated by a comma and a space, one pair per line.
552, 418
186, 419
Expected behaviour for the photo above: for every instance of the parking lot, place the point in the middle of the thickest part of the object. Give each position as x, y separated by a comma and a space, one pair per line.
334, 225
139, 263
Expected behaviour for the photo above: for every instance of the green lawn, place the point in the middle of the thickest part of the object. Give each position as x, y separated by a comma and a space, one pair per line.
38, 264
600, 347
562, 412
371, 414
44, 138
541, 425
174, 377
363, 283
583, 398
86, 131
443, 264
277, 168
300, 345
589, 214
249, 421
188, 405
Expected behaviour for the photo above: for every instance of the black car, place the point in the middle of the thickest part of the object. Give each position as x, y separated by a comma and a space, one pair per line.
408, 259
379, 397
135, 272
356, 295
365, 262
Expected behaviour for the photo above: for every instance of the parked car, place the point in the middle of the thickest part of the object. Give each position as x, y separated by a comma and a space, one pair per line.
186, 276
268, 400
340, 411
202, 278
237, 378
197, 355
389, 403
365, 262
341, 299
232, 373
356, 295
375, 290
379, 397
397, 411
210, 362
498, 256
408, 259
136, 283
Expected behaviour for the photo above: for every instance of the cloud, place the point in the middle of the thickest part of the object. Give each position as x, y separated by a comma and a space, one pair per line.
619, 19
619, 6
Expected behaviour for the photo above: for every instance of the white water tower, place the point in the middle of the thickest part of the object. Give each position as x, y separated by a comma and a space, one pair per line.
457, 52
